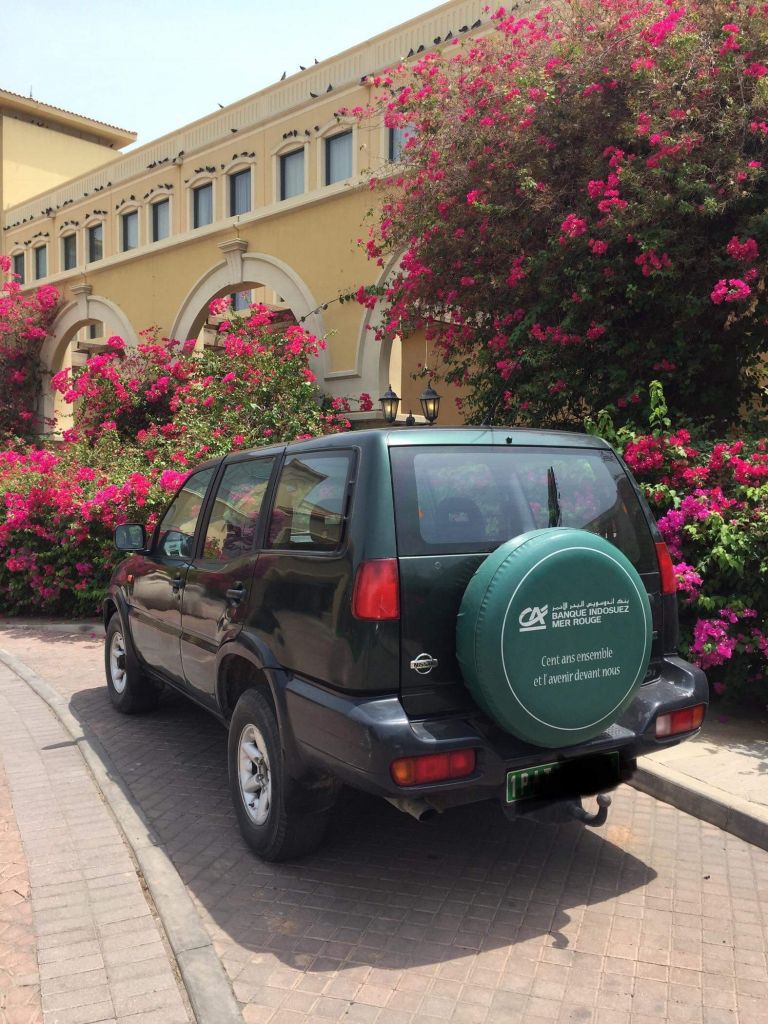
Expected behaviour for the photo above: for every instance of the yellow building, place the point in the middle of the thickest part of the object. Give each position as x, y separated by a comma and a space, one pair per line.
264, 199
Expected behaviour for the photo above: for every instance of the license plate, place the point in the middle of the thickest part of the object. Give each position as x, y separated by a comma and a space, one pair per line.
581, 777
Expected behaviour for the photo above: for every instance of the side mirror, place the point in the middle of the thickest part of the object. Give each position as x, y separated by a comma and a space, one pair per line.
130, 537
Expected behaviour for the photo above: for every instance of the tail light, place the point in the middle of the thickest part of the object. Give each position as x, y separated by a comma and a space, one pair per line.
376, 594
416, 771
684, 720
666, 569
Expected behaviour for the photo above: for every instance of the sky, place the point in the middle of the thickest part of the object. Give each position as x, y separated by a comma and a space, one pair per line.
152, 66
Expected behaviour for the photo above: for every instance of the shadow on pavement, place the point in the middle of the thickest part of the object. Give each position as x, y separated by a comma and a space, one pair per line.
384, 890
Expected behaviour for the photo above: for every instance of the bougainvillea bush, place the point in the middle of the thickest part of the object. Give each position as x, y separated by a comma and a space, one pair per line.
24, 324
583, 208
710, 498
141, 421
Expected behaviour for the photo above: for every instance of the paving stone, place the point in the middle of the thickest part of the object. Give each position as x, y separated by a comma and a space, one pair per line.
61, 907
656, 917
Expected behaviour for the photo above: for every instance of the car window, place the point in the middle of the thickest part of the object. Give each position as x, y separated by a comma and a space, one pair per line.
309, 503
234, 518
473, 499
176, 531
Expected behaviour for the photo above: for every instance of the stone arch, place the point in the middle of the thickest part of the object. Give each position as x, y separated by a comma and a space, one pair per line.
85, 309
243, 269
374, 357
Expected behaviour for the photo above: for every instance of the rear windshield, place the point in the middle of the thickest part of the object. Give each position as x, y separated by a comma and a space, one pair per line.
471, 499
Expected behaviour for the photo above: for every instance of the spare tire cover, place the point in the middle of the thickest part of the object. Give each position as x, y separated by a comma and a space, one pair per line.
554, 635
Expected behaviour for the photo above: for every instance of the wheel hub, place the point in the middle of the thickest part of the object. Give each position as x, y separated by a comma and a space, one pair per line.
117, 669
254, 775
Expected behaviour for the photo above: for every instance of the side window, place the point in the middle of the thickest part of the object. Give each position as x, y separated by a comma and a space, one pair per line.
309, 504
177, 527
236, 509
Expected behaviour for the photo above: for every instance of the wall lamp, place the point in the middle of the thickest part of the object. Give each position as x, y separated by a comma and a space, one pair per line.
429, 401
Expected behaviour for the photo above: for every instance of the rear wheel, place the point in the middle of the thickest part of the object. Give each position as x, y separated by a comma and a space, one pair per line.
274, 812
129, 689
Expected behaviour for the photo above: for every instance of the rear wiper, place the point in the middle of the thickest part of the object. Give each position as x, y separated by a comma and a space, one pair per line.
553, 499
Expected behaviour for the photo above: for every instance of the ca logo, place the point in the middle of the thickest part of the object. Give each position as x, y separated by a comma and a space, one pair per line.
531, 619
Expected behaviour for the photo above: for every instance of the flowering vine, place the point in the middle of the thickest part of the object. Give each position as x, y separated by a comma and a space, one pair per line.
582, 200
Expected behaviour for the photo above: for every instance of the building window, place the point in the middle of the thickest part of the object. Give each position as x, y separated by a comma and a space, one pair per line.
239, 193
69, 252
202, 205
292, 174
161, 220
18, 267
240, 300
397, 140
338, 157
95, 243
129, 229
41, 261
94, 331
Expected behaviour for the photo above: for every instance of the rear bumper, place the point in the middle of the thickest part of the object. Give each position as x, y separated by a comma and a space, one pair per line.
357, 738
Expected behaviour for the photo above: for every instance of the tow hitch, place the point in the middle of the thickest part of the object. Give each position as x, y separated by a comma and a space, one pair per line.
596, 819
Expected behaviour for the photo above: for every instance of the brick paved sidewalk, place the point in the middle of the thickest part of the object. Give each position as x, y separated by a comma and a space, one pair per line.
19, 977
658, 917
100, 953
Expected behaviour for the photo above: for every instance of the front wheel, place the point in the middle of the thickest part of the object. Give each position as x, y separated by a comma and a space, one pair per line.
266, 799
129, 689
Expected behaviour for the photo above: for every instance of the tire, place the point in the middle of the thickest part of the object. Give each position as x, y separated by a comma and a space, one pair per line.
554, 636
275, 813
130, 691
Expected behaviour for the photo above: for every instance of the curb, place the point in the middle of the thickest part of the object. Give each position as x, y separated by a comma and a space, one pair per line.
55, 626
205, 981
741, 818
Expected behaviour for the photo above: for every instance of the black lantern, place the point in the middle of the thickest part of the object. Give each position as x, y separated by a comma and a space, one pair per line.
389, 403
430, 403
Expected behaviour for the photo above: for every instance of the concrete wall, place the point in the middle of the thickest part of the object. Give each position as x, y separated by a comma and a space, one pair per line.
304, 249
36, 159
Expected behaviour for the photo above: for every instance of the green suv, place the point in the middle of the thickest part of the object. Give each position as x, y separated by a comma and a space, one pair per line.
434, 616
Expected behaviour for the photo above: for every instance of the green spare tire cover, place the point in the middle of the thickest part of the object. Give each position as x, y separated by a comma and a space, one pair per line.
554, 635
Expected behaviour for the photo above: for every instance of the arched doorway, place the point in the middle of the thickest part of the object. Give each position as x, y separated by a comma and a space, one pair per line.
265, 278
80, 327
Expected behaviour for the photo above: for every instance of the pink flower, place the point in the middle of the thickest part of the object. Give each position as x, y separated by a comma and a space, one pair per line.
743, 252
732, 290
218, 306
572, 227
475, 196
171, 480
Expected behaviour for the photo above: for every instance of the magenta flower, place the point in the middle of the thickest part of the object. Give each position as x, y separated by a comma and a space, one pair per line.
732, 290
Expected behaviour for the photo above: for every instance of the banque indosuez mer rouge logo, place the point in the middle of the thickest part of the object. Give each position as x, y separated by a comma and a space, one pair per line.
565, 615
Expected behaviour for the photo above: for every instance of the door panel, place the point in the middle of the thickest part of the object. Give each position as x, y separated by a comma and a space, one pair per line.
302, 586
218, 581
160, 577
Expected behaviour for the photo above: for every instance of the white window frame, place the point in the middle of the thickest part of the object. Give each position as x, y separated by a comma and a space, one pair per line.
327, 131
126, 211
285, 149
35, 250
67, 233
87, 253
195, 184
14, 254
231, 172
156, 201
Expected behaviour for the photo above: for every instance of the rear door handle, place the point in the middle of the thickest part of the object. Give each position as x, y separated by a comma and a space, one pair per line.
236, 594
